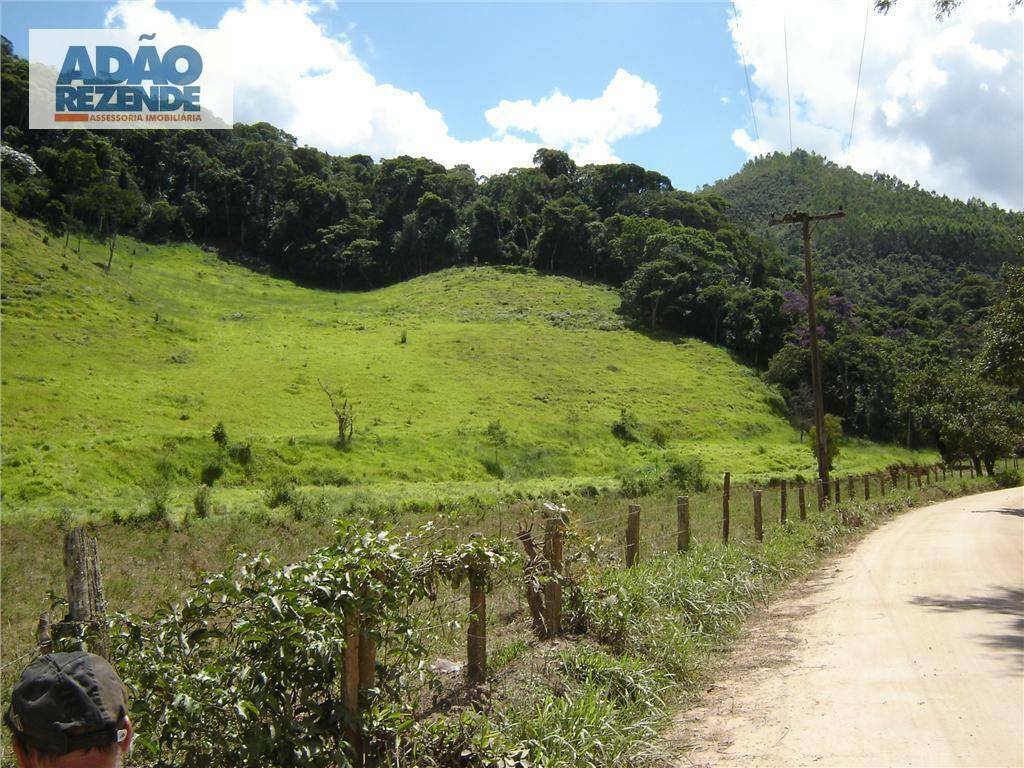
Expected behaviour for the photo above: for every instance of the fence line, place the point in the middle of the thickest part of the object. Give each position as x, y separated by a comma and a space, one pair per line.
753, 507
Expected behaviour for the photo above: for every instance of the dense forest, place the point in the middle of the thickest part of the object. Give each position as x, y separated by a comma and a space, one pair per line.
908, 280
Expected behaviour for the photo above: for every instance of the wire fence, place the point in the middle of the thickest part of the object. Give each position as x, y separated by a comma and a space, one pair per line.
613, 532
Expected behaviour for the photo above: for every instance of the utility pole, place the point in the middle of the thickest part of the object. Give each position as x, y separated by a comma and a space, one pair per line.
804, 219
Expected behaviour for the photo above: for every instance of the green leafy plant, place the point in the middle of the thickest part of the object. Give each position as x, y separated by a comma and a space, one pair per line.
201, 501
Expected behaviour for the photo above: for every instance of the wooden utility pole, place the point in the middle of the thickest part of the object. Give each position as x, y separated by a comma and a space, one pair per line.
804, 219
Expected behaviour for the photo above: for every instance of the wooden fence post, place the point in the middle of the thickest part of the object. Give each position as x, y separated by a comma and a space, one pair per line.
849, 488
632, 535
919, 478
783, 503
867, 487
683, 523
43, 638
554, 529
907, 474
350, 694
367, 661
84, 583
801, 502
758, 521
725, 509
960, 466
881, 484
821, 494
532, 572
476, 631
838, 492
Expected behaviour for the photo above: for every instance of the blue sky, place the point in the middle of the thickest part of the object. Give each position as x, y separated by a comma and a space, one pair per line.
684, 49
659, 84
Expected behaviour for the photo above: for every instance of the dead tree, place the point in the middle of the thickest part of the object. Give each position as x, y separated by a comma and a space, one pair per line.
342, 412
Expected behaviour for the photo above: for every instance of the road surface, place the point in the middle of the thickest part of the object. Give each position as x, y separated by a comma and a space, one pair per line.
907, 651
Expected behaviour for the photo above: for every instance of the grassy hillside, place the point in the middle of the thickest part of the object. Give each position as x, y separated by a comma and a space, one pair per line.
104, 375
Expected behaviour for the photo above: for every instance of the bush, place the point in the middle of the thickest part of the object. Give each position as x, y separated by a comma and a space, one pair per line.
627, 428
683, 473
1008, 478
245, 671
211, 473
241, 453
639, 481
833, 435
280, 492
493, 467
686, 474
201, 501
659, 435
157, 489
220, 435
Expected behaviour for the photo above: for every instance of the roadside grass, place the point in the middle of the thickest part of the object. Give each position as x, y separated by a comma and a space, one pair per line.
638, 641
661, 625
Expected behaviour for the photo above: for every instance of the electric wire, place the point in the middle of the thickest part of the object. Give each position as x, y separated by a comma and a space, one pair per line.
860, 66
789, 98
746, 74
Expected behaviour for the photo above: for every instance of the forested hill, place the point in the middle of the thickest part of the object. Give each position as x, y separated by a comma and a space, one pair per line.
907, 279
898, 246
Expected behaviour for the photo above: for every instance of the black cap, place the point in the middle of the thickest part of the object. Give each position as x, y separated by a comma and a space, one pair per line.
68, 701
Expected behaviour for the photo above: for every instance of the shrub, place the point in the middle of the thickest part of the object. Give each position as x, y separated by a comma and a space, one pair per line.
627, 428
640, 481
659, 435
220, 435
280, 492
201, 501
1009, 478
211, 473
245, 672
157, 489
686, 474
493, 467
833, 434
241, 453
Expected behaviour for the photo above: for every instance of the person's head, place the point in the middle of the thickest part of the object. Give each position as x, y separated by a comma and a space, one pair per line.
69, 710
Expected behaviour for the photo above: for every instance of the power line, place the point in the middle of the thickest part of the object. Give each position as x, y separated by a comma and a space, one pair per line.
746, 75
860, 66
789, 99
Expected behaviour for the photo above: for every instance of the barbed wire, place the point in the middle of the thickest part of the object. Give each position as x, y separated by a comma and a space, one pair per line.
24, 656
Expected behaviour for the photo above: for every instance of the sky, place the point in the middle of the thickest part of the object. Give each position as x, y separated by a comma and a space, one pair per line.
661, 84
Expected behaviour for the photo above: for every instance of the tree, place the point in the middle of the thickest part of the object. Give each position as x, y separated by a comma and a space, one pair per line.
342, 409
801, 406
113, 206
554, 163
943, 8
833, 434
965, 414
1002, 356
497, 436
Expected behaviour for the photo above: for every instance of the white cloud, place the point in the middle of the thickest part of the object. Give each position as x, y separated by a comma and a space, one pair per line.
628, 106
940, 102
724, 99
303, 80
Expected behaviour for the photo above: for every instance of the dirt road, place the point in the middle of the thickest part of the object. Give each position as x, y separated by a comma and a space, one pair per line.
908, 651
